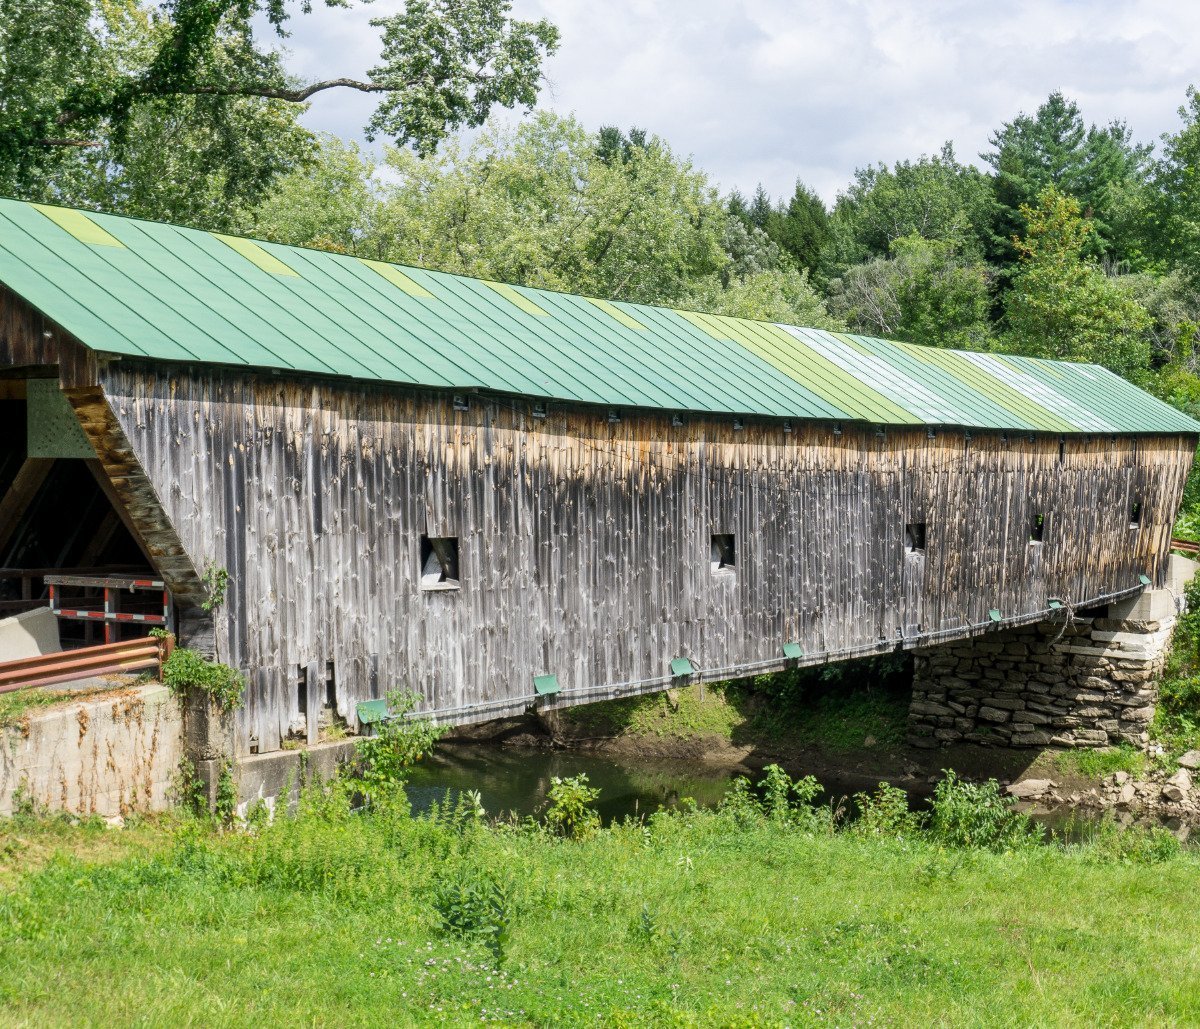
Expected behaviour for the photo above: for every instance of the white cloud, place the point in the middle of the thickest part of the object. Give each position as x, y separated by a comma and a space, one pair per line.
772, 90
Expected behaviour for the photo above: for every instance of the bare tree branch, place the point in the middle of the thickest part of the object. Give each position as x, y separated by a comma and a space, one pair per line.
68, 142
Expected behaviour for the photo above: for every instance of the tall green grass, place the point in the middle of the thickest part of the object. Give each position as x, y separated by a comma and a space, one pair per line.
763, 912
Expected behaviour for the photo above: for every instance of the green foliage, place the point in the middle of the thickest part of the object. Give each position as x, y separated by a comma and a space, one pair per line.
474, 906
570, 812
215, 581
82, 124
777, 798
1174, 218
186, 669
1061, 305
1176, 722
688, 918
927, 293
837, 707
225, 803
799, 227
187, 790
885, 813
1108, 843
328, 203
447, 64
16, 705
935, 198
399, 742
1097, 763
118, 97
977, 815
1097, 167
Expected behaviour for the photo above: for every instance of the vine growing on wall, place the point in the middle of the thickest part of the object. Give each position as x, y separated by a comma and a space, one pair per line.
216, 582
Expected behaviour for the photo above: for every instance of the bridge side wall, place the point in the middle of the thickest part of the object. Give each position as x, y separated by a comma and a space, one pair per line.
585, 543
1088, 679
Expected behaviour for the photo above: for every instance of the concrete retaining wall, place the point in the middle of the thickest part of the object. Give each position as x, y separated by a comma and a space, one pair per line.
112, 754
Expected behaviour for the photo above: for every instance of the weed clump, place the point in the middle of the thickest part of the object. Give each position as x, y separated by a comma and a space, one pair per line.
570, 812
977, 815
187, 669
473, 905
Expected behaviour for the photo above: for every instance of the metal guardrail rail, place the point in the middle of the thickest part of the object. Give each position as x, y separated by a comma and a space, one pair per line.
127, 657
1185, 547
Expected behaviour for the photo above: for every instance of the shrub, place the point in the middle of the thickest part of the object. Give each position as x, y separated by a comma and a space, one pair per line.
398, 744
474, 906
968, 814
570, 812
186, 669
777, 797
885, 813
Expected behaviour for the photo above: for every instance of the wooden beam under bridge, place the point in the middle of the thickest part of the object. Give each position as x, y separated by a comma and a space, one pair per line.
15, 503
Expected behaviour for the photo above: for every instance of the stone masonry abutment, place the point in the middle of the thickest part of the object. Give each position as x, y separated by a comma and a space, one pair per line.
1087, 680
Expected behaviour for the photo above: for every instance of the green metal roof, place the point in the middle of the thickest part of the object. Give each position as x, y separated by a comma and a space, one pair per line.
163, 292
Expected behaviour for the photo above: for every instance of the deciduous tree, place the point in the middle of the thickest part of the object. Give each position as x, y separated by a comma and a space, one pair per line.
1061, 304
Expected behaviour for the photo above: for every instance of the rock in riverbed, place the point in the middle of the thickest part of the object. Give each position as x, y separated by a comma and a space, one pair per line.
1031, 789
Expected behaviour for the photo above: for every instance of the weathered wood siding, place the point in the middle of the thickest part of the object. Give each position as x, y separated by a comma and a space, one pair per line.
28, 340
585, 544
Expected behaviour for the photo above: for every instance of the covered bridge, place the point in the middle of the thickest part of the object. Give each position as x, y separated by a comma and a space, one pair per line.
487, 492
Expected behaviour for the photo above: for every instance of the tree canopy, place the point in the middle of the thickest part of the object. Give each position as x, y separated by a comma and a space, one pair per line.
1071, 240
84, 76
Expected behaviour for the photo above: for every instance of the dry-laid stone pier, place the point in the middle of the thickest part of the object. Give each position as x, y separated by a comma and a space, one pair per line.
1086, 679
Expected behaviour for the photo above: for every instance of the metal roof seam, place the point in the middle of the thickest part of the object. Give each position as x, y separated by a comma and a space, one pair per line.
64, 261
786, 356
170, 293
594, 319
219, 343
285, 282
477, 301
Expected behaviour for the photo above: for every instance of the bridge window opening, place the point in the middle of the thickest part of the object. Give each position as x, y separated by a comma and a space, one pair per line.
1135, 514
439, 563
1037, 528
723, 557
914, 538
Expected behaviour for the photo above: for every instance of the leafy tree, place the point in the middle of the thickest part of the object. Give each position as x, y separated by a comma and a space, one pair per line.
540, 206
329, 202
1061, 304
783, 295
67, 84
802, 227
926, 293
935, 198
1175, 208
1099, 166
1172, 303
193, 159
615, 147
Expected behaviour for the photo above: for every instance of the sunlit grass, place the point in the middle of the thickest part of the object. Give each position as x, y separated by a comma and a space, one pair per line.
691, 920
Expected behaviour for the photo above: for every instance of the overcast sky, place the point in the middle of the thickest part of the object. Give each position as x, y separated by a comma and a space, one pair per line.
769, 90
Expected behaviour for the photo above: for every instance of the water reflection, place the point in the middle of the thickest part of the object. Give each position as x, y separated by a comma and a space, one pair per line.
517, 781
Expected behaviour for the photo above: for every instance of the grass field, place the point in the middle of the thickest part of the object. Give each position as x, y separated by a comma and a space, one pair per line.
737, 917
